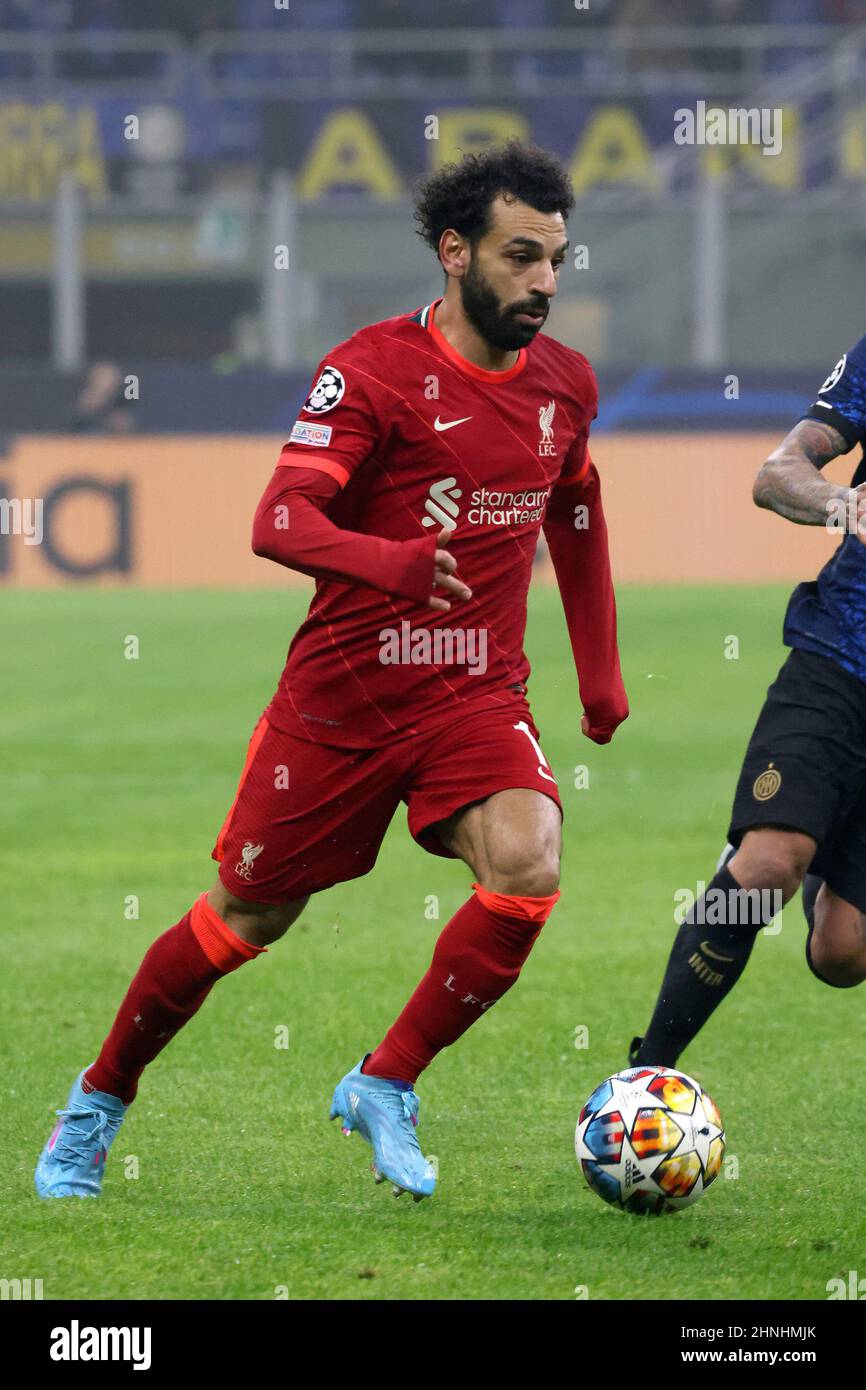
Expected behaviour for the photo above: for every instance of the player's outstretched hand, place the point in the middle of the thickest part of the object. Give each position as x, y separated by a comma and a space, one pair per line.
444, 574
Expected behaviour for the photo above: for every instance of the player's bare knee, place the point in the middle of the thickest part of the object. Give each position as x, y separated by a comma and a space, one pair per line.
838, 943
840, 964
258, 923
773, 859
531, 874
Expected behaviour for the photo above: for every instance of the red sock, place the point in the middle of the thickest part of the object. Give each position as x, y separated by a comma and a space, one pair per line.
173, 981
477, 958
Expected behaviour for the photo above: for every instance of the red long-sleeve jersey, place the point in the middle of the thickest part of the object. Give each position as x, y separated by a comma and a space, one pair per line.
399, 436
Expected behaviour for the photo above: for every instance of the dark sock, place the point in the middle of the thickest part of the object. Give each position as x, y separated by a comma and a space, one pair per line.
708, 957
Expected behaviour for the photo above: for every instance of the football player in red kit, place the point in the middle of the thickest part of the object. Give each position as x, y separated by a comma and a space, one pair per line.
429, 454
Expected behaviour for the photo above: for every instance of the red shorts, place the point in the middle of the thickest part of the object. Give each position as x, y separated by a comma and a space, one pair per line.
307, 816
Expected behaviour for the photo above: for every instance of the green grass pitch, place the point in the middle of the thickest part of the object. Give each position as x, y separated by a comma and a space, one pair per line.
227, 1181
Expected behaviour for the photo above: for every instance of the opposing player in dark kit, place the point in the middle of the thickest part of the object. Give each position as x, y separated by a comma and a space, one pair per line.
800, 805
428, 456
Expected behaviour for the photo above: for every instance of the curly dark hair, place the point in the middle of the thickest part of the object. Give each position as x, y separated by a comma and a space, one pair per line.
460, 195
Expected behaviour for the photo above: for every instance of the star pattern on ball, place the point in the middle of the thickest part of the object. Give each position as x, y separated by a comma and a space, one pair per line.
705, 1133
629, 1097
634, 1170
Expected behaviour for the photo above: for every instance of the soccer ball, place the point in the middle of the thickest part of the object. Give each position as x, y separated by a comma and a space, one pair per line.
649, 1139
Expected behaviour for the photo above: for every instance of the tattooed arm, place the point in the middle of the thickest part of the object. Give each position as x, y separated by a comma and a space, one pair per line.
790, 481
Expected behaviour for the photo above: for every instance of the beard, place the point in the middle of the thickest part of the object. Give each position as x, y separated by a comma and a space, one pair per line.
498, 326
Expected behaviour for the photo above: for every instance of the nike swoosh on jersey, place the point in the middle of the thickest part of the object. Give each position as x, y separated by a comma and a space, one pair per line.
708, 951
449, 424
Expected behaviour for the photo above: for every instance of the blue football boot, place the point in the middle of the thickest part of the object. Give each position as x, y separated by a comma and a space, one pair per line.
73, 1161
385, 1113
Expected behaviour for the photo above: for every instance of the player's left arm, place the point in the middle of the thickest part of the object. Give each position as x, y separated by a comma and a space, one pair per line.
790, 481
576, 533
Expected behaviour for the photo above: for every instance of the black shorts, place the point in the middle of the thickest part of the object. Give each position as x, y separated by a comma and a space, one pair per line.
805, 769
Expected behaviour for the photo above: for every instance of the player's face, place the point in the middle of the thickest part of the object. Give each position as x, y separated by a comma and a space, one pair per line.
512, 274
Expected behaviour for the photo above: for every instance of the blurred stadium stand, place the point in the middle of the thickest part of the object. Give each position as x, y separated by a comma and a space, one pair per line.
150, 244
